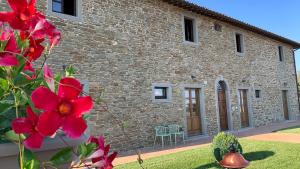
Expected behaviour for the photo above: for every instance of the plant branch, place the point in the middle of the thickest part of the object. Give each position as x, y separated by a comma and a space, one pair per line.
19, 142
73, 151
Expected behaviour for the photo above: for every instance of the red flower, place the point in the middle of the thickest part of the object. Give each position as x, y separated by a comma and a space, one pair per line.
8, 56
29, 71
100, 158
62, 110
28, 126
20, 17
35, 49
42, 28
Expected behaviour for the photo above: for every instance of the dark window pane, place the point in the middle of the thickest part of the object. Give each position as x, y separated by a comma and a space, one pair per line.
70, 7
57, 7
189, 29
64, 6
257, 93
280, 53
160, 92
218, 27
239, 43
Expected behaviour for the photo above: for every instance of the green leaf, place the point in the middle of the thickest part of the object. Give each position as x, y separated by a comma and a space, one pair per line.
62, 157
70, 71
12, 136
21, 80
4, 123
2, 72
30, 160
4, 108
4, 84
86, 149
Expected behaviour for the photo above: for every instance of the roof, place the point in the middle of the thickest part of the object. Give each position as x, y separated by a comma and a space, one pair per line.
218, 16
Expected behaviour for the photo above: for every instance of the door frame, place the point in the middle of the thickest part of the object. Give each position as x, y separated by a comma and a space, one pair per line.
228, 103
291, 116
202, 107
250, 110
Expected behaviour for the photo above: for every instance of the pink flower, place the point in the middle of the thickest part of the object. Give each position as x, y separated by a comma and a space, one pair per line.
5, 33
100, 158
28, 126
64, 109
49, 77
8, 56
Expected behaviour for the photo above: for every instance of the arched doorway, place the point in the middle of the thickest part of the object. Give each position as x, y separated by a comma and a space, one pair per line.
222, 104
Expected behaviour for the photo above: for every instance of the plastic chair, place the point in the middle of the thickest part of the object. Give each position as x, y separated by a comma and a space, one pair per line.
161, 131
175, 130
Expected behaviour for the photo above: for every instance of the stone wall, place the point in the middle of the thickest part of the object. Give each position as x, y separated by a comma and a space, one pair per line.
123, 46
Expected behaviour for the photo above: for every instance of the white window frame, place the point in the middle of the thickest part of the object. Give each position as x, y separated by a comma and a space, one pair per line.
242, 43
195, 26
169, 92
78, 16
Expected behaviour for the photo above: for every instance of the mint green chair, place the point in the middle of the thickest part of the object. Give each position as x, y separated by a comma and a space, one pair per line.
175, 130
161, 131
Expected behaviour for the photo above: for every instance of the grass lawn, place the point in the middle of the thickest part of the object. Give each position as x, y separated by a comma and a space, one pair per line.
263, 155
294, 130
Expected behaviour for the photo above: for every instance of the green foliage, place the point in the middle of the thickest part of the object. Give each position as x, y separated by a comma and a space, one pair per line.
221, 144
70, 71
30, 161
62, 157
84, 150
12, 136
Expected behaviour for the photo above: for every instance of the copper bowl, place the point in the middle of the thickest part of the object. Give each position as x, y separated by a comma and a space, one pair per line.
234, 160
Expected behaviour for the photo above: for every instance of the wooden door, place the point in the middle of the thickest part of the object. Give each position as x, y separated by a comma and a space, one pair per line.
285, 105
192, 102
244, 108
222, 106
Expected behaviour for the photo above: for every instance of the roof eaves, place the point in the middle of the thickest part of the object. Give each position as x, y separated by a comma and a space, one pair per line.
209, 13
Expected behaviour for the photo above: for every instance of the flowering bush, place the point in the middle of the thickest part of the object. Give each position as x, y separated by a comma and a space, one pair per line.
34, 103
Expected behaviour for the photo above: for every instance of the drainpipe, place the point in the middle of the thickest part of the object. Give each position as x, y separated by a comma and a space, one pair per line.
294, 50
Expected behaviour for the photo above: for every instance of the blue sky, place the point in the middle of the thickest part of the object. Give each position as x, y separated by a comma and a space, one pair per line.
278, 16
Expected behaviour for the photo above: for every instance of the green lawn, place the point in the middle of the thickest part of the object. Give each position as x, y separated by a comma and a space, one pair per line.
263, 155
294, 130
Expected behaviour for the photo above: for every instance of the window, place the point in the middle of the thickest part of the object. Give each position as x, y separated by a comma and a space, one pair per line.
67, 7
85, 86
239, 43
280, 51
257, 94
189, 30
161, 92
218, 27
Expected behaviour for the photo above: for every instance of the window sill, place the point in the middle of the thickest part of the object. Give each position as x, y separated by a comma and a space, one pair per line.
190, 43
11, 149
65, 16
162, 101
240, 54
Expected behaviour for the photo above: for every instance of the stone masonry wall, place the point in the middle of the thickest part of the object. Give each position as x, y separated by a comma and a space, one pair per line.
123, 46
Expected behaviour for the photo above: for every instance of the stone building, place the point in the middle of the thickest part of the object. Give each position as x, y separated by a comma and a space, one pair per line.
173, 62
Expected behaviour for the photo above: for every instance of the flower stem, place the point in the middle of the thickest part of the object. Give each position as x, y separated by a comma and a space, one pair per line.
19, 143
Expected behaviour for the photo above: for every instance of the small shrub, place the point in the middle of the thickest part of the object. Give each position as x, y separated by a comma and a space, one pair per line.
221, 145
